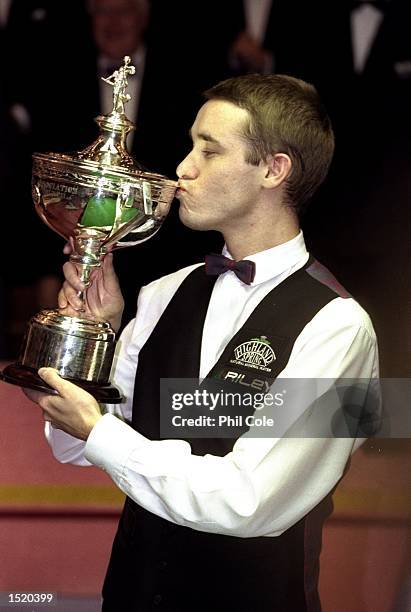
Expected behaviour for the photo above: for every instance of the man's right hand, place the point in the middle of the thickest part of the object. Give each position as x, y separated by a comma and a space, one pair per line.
103, 298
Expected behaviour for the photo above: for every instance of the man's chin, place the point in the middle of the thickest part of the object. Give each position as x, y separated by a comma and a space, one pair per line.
186, 217
191, 221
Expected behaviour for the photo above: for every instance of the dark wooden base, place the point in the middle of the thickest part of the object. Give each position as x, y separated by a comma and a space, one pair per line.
18, 374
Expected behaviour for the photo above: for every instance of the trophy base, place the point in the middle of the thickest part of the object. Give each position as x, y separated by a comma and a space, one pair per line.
23, 376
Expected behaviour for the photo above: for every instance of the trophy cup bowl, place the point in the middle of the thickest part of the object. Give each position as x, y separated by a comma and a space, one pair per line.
98, 199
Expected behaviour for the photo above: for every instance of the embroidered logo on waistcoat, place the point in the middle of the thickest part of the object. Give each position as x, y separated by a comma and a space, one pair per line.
255, 353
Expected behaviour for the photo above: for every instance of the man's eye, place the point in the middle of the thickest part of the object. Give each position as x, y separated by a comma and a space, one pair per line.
207, 153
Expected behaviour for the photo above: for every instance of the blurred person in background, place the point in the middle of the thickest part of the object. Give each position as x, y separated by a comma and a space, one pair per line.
358, 56
367, 237
38, 63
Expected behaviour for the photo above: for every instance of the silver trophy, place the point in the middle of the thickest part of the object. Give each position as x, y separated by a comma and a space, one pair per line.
99, 199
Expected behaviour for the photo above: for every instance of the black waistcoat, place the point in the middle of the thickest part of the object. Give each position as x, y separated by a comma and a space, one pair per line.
157, 565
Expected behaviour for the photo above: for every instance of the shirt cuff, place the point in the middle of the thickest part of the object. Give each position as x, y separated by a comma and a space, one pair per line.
110, 443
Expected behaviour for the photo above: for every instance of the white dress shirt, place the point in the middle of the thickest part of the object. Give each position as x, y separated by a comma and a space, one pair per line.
265, 485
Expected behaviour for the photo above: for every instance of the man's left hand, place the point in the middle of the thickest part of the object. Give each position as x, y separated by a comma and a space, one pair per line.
73, 410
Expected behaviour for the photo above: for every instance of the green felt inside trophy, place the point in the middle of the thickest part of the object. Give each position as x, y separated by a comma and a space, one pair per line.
100, 211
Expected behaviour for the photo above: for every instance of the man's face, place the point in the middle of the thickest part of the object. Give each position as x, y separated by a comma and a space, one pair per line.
118, 26
219, 190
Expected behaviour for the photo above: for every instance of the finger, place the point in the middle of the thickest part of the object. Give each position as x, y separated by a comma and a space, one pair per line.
46, 416
33, 395
108, 267
70, 297
72, 276
47, 405
52, 378
61, 299
110, 277
104, 277
65, 388
68, 311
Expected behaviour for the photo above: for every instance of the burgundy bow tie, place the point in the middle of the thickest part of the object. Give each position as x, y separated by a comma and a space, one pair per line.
218, 264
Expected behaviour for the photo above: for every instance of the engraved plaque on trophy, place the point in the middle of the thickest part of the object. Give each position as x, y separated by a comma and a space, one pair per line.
99, 199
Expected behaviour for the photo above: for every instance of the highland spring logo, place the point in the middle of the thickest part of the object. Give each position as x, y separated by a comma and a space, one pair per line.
255, 353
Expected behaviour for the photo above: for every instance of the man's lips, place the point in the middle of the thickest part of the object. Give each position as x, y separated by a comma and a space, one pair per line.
180, 191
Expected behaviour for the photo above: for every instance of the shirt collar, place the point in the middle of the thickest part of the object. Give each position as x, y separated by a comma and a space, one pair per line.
275, 261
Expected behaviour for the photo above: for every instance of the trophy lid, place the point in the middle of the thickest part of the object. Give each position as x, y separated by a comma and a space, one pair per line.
108, 154
91, 329
110, 147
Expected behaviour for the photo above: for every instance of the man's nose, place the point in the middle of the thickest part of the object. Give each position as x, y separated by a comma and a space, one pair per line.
187, 169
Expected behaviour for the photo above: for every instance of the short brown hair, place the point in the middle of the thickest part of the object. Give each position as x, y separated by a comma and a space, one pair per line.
286, 116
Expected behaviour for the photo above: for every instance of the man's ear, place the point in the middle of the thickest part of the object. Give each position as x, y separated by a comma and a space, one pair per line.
278, 168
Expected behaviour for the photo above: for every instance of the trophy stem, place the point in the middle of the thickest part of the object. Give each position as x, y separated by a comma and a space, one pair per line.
88, 252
